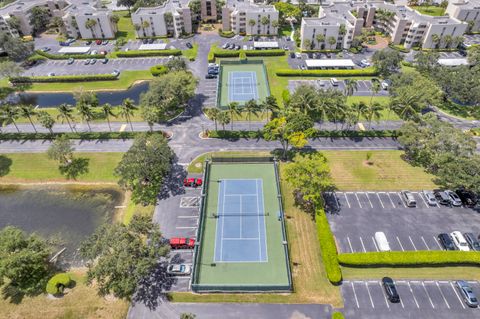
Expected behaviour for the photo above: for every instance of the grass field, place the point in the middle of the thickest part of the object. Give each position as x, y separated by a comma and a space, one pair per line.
191, 54
440, 273
430, 10
388, 171
36, 167
80, 302
126, 29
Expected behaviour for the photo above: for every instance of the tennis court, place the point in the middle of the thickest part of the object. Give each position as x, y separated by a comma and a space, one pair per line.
242, 81
240, 235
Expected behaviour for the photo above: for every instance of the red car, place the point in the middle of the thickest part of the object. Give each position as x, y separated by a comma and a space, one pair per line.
192, 182
98, 42
182, 243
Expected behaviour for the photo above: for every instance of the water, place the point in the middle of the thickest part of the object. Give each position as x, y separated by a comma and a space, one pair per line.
44, 100
65, 216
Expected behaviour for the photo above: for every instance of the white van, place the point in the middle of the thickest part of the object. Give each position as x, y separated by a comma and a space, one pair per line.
334, 81
382, 242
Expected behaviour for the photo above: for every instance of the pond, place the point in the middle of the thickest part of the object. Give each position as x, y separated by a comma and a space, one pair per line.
65, 216
44, 100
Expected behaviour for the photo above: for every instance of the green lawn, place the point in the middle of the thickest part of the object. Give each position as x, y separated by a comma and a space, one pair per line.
133, 209
440, 273
126, 29
191, 54
36, 167
430, 10
285, 30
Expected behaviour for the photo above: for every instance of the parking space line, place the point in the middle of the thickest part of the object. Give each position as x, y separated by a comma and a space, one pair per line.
346, 198
374, 243
436, 240
350, 244
369, 295
424, 201
401, 246
383, 293
428, 295
336, 200
366, 194
401, 200
391, 201
358, 200
423, 239
412, 243
363, 246
355, 295
456, 294
443, 296
413, 295
380, 200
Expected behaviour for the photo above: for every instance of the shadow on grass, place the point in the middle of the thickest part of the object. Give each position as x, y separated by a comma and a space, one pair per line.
5, 164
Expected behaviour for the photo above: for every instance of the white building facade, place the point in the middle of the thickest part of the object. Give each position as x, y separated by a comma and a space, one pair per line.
466, 10
245, 17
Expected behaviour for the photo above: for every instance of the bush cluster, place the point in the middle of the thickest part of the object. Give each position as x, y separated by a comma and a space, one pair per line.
159, 69
63, 78
226, 34
52, 56
56, 284
217, 53
371, 71
235, 134
328, 248
315, 134
410, 258
138, 53
400, 48
71, 135
337, 315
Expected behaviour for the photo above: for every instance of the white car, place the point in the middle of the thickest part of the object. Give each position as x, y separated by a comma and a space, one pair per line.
384, 85
460, 241
334, 81
116, 72
364, 63
454, 199
430, 197
179, 269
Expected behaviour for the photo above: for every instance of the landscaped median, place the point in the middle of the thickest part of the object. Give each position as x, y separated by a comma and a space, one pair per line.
141, 53
328, 247
52, 56
74, 136
314, 134
371, 71
215, 52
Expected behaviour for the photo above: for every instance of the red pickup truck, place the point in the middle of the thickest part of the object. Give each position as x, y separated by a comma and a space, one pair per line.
182, 243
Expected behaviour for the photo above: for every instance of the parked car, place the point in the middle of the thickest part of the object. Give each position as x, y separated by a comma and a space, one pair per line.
88, 42
225, 46
93, 61
334, 81
467, 293
364, 63
382, 241
210, 76
468, 198
408, 198
179, 269
446, 242
430, 198
459, 241
150, 41
86, 62
454, 199
189, 45
145, 41
384, 85
285, 47
472, 241
105, 61
442, 197
303, 67
298, 55
70, 40
94, 52
192, 182
310, 55
45, 49
70, 61
390, 289
182, 243
115, 73
98, 42
292, 55
51, 74
237, 47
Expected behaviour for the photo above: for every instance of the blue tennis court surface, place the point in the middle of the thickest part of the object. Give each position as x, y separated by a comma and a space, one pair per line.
240, 234
243, 86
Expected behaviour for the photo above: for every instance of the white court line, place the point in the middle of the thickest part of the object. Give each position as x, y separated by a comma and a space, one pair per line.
456, 294
364, 250
428, 295
242, 238
412, 243
369, 200
358, 200
436, 240
350, 244
380, 200
391, 201
369, 295
375, 244
355, 295
383, 293
401, 246
441, 292
413, 295
423, 239
187, 216
186, 227
258, 223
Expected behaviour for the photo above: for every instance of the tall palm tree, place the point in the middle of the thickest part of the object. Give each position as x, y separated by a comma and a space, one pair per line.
251, 23
85, 112
126, 110
224, 118
448, 40
46, 120
332, 41
107, 111
90, 24
65, 114
145, 25
213, 113
233, 108
251, 107
436, 39
374, 113
264, 21
27, 111
275, 25
10, 113
351, 86
270, 104
361, 109
376, 87
307, 44
320, 39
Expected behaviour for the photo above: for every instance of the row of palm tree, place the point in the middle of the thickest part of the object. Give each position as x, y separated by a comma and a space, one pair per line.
264, 21
86, 112
448, 40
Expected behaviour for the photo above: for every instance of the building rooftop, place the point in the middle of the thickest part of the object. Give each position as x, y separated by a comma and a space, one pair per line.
467, 4
167, 6
250, 6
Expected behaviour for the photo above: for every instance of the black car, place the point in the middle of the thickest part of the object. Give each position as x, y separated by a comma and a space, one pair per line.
310, 55
390, 289
462, 52
151, 41
292, 55
468, 198
210, 76
189, 45
442, 197
145, 41
472, 241
446, 242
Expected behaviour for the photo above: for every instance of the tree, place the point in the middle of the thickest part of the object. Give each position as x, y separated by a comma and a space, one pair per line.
448, 40
144, 166
149, 115
10, 113
460, 172
91, 24
107, 111
61, 150
127, 109
305, 99
14, 23
46, 120
23, 261
290, 130
387, 61
121, 256
39, 18
9, 69
196, 7
233, 108
332, 41
426, 62
175, 65
251, 23
251, 108
224, 118
307, 44
320, 39
264, 21
436, 40
16, 49
373, 113
360, 109
65, 114
27, 111
376, 87
309, 174
270, 104
473, 55
187, 316
57, 23
351, 86
275, 25
288, 10
213, 113
126, 3
145, 25
115, 18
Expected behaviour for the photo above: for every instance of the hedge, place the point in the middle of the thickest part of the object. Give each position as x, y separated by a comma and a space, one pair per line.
226, 34
410, 258
68, 56
399, 48
216, 53
136, 54
276, 52
337, 315
328, 248
321, 51
63, 78
371, 71
56, 284
159, 69
211, 57
316, 134
235, 134
406, 63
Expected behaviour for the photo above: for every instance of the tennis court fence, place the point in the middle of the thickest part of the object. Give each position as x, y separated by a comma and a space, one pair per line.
243, 159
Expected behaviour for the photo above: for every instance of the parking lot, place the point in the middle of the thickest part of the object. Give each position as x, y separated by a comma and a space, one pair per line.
364, 86
208, 88
355, 217
418, 299
471, 39
297, 62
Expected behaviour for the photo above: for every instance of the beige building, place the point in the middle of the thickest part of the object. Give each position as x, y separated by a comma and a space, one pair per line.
237, 15
171, 18
465, 10
208, 10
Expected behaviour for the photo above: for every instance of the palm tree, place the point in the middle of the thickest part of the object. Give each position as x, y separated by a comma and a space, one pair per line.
361, 109
213, 113
457, 40
65, 114
27, 111
10, 112
233, 108
448, 40
224, 118
251, 107
145, 25
107, 111
85, 112
436, 40
90, 24
275, 24
264, 21
332, 41
374, 113
342, 30
320, 39
351, 86
307, 44
376, 87
126, 110
46, 120
270, 104
251, 23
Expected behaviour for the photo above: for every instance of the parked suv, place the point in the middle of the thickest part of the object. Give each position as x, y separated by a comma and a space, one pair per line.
459, 241
472, 241
467, 293
409, 199
468, 198
446, 242
442, 197
390, 289
454, 199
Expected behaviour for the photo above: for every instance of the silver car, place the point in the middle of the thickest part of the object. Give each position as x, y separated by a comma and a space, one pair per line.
454, 199
467, 294
430, 197
179, 270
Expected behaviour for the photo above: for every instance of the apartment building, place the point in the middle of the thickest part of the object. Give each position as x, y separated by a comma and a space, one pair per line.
249, 18
344, 20
208, 10
465, 10
172, 18
74, 13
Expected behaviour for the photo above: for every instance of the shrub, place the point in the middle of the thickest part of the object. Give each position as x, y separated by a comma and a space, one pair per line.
211, 57
406, 63
159, 69
68, 56
243, 56
410, 258
315, 134
372, 71
277, 52
136, 54
337, 315
400, 48
235, 134
56, 284
63, 78
328, 248
226, 34
226, 54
